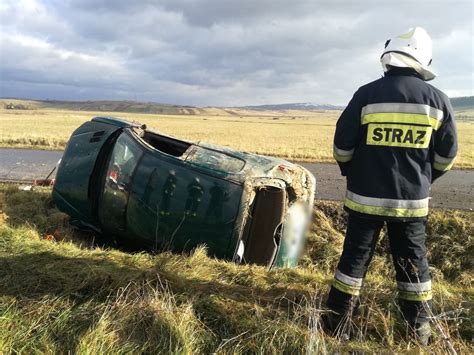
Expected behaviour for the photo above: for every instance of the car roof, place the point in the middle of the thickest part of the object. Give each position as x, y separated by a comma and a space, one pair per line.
116, 121
256, 165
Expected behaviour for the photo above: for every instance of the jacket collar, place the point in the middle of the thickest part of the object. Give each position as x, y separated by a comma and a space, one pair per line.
397, 71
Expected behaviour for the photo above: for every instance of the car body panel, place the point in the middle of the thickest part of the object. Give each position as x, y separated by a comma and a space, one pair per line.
178, 207
171, 194
76, 167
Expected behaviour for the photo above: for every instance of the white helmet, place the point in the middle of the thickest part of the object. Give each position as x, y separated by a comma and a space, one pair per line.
413, 49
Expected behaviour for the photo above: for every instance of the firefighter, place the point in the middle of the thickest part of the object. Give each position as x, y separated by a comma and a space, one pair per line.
394, 139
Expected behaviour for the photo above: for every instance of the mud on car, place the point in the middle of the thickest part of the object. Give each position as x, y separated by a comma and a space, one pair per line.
120, 179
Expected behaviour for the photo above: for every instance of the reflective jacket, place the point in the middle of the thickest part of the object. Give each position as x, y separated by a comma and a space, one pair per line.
396, 136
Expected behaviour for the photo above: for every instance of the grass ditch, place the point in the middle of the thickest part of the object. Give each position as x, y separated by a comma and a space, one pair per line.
65, 291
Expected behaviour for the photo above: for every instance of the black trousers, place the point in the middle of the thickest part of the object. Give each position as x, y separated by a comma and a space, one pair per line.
407, 245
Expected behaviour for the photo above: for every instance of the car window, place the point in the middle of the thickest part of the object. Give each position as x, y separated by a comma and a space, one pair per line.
121, 166
215, 160
123, 161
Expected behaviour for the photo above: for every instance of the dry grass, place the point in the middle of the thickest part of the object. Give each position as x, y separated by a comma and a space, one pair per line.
304, 137
298, 135
76, 295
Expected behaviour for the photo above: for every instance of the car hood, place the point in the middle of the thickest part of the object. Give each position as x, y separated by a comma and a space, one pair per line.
260, 166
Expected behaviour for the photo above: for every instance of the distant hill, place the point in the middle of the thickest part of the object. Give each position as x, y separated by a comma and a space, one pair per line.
102, 106
306, 106
122, 106
459, 103
463, 103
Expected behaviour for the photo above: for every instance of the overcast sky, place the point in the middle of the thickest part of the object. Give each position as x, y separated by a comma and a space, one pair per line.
218, 52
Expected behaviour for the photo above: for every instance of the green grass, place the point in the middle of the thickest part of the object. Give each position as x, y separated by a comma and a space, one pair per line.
75, 294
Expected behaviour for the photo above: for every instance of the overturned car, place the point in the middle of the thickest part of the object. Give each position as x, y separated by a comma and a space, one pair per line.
119, 178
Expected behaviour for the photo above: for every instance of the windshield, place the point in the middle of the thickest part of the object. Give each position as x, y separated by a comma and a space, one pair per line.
117, 184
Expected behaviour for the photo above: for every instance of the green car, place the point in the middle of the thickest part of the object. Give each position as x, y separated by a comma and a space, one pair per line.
120, 179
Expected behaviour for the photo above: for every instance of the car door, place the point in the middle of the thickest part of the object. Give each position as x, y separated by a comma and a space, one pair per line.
117, 183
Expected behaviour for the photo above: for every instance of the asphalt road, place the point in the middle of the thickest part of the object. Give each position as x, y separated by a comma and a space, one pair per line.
453, 190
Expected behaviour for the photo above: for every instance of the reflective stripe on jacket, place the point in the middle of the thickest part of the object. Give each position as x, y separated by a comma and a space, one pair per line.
396, 136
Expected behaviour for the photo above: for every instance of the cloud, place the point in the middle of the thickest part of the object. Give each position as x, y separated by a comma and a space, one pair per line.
212, 52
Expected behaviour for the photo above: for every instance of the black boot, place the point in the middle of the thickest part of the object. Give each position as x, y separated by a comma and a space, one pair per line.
330, 322
336, 325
